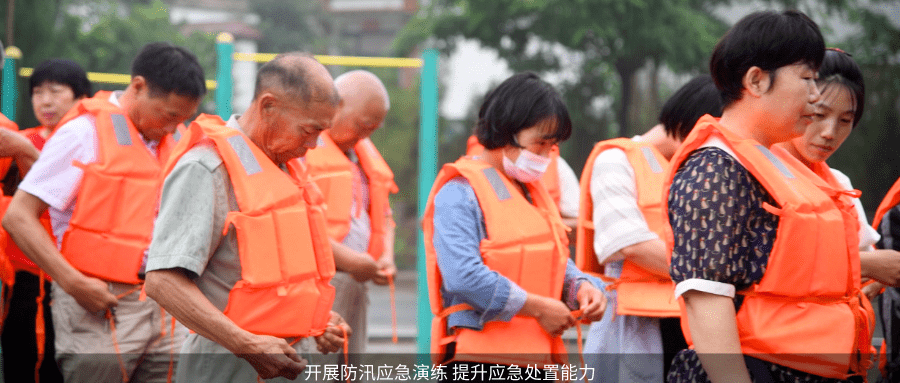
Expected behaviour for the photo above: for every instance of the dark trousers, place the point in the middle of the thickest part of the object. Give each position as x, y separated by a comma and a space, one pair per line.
18, 340
672, 341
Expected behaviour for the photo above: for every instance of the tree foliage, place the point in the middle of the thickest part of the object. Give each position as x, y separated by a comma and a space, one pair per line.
101, 36
604, 42
289, 25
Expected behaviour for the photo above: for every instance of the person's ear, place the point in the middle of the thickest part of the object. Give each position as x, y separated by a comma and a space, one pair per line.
139, 84
756, 81
268, 104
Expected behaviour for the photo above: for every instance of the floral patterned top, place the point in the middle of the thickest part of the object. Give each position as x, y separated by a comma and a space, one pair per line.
722, 234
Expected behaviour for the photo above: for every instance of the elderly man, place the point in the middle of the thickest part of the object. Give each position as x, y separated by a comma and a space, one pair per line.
356, 183
99, 176
239, 252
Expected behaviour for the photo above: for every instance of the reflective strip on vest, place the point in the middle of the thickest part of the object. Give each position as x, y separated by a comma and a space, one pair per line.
120, 126
248, 160
497, 184
775, 161
655, 167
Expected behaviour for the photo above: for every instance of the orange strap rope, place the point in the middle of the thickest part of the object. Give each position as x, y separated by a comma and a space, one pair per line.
169, 377
112, 329
393, 308
346, 349
577, 315
40, 331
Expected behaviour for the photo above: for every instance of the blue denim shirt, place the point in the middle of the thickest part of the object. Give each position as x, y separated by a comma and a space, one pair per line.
458, 230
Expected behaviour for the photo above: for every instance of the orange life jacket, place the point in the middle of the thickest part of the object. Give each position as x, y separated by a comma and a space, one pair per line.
18, 259
639, 292
525, 243
284, 250
890, 200
112, 223
807, 312
7, 269
7, 124
550, 179
333, 173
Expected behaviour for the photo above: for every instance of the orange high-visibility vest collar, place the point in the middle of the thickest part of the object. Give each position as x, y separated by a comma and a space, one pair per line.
284, 250
525, 243
890, 200
550, 179
333, 173
807, 312
112, 223
639, 292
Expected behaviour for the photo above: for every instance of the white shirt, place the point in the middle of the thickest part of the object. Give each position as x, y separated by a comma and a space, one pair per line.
568, 189
618, 221
54, 179
868, 236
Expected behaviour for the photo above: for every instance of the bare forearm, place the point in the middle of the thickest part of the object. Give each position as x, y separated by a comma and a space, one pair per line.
175, 292
649, 255
22, 222
713, 325
346, 259
881, 265
27, 158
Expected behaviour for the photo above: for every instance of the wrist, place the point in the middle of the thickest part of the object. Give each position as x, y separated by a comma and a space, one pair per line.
241, 343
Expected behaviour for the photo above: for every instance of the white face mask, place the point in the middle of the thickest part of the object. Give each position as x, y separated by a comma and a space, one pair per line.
529, 167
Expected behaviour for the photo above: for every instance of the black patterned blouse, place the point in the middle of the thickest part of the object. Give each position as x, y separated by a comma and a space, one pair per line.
722, 234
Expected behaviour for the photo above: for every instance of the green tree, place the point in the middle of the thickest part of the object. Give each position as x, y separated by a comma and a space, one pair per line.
612, 40
104, 41
289, 25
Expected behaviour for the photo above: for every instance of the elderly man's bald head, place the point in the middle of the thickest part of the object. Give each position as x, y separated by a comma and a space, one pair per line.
362, 86
295, 100
297, 75
364, 105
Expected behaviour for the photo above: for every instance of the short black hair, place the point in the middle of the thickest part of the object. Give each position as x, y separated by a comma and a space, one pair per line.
767, 40
838, 68
285, 73
169, 69
61, 71
690, 102
518, 103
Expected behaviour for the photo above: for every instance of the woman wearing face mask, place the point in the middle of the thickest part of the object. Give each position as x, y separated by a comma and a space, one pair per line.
500, 280
837, 114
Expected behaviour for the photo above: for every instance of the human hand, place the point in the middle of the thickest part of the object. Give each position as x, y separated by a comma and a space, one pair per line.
386, 270
881, 265
333, 338
872, 290
92, 294
366, 269
591, 301
272, 357
553, 315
